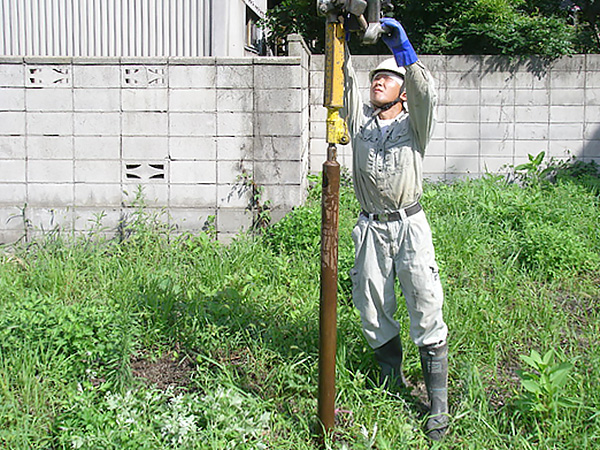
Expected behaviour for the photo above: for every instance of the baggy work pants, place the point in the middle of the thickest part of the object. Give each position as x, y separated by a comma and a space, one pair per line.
402, 248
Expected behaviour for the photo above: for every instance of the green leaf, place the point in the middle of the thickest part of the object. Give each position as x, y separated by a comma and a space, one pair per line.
560, 374
531, 386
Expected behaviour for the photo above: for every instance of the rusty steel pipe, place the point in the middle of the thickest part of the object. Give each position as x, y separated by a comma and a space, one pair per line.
329, 278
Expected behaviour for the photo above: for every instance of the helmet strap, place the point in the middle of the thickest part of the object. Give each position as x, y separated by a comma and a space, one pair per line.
387, 106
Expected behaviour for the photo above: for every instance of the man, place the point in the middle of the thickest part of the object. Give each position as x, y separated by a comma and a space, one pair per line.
392, 236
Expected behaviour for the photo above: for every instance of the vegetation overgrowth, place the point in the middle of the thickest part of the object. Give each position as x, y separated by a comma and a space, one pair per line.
164, 341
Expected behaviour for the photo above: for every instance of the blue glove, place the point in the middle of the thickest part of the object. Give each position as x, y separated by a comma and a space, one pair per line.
396, 39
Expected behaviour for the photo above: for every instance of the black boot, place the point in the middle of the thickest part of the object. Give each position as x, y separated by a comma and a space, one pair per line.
434, 361
389, 357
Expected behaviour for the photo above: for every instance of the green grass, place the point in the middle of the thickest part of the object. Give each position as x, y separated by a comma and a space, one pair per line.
521, 272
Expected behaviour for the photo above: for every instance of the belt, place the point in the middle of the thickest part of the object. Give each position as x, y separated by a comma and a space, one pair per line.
396, 215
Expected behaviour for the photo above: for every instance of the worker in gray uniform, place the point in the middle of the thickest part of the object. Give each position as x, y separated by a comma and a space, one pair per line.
392, 237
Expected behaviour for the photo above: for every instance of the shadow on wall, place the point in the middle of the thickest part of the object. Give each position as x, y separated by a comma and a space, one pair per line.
537, 66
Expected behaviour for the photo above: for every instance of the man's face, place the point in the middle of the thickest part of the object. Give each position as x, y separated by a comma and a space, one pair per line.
384, 89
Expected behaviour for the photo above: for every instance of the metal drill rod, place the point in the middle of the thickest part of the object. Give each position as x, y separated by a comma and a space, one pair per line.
337, 133
329, 276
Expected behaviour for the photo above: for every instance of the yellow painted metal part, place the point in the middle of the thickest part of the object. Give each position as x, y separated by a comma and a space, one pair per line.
337, 131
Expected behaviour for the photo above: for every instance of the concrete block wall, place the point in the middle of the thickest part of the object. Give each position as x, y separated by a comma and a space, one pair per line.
80, 136
492, 112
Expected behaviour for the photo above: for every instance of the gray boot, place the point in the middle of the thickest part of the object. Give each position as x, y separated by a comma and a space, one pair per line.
389, 357
434, 361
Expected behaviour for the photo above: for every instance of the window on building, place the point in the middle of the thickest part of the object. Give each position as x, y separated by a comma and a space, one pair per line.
253, 32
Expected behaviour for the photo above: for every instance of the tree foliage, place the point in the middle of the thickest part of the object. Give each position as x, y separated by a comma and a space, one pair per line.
548, 28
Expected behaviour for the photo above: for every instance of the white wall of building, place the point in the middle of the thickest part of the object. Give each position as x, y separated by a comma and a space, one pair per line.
125, 28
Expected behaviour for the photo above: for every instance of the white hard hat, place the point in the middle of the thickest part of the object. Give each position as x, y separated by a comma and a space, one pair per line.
389, 65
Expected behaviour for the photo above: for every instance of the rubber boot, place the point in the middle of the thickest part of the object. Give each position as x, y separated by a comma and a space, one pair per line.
389, 357
434, 361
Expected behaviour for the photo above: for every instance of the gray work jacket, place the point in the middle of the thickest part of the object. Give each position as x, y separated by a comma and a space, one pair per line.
388, 170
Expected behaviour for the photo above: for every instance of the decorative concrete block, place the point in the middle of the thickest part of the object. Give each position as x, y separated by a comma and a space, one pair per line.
233, 195
145, 171
100, 171
192, 124
12, 171
193, 148
50, 147
12, 123
193, 100
144, 124
50, 194
50, 171
235, 124
97, 124
237, 148
105, 100
145, 100
193, 195
135, 76
49, 76
12, 99
96, 76
97, 147
12, 75
98, 195
145, 147
235, 100
235, 76
192, 172
567, 114
50, 123
279, 124
184, 76
12, 147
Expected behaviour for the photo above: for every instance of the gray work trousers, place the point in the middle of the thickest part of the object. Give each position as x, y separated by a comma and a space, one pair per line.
402, 248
